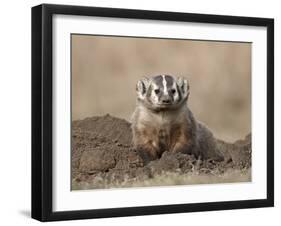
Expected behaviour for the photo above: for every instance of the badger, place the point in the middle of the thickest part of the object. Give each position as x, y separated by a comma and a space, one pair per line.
162, 120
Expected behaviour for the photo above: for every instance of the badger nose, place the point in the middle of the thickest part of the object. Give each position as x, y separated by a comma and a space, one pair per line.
166, 101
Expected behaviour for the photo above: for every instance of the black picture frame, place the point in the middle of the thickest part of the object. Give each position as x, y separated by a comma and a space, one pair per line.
42, 111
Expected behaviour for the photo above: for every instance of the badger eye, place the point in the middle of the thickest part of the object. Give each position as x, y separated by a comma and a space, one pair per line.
173, 91
157, 91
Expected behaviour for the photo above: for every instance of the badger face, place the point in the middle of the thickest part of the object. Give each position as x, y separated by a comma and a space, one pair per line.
163, 92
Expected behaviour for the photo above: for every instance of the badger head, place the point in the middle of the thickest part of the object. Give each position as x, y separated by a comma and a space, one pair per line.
163, 92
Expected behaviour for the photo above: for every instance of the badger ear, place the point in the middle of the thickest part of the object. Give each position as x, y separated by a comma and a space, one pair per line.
142, 86
183, 86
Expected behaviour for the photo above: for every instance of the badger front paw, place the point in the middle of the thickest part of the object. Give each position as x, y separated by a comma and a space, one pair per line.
183, 148
148, 152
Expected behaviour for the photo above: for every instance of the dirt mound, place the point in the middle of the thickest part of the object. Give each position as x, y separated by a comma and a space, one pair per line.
103, 156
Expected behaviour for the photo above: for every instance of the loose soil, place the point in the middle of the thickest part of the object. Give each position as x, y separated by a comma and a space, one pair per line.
103, 157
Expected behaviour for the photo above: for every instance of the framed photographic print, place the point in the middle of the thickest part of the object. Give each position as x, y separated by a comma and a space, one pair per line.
140, 112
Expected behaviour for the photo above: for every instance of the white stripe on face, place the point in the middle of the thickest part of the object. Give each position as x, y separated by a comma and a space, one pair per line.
164, 85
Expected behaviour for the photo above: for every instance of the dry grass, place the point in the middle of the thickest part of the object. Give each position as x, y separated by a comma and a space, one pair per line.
170, 179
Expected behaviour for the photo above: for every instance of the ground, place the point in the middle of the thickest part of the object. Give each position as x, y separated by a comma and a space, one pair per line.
103, 157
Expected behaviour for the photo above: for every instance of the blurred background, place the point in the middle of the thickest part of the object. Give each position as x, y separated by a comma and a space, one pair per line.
105, 71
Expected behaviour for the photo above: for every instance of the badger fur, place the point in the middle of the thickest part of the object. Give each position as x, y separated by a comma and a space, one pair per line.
163, 122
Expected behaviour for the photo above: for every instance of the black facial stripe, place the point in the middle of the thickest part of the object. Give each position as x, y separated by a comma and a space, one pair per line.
158, 80
179, 93
170, 81
143, 88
